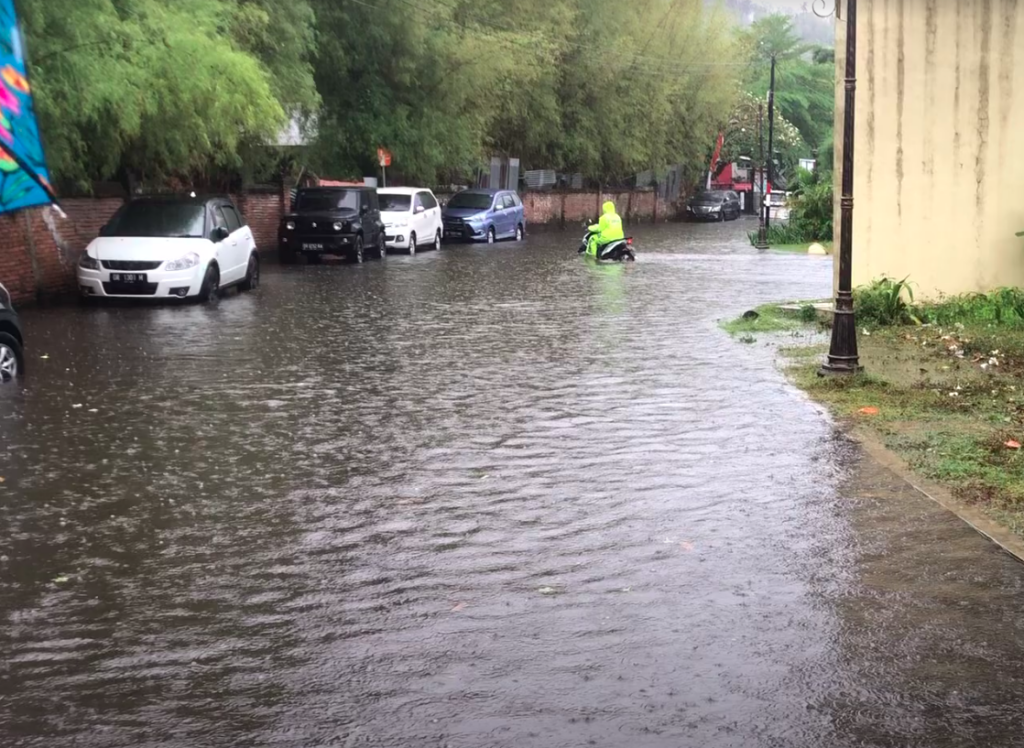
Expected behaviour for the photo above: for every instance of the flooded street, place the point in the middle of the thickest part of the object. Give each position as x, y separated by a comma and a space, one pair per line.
487, 497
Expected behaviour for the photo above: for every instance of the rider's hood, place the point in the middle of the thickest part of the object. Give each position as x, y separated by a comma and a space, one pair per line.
609, 207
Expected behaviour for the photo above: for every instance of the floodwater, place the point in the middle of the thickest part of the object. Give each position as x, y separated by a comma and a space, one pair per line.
489, 497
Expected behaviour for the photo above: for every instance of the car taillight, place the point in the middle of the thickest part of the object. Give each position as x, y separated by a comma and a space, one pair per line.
629, 241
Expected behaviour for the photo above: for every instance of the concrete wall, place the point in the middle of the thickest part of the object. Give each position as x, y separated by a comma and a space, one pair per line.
939, 188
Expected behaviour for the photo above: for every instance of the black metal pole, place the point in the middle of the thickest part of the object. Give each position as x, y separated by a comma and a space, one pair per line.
842, 355
771, 146
762, 233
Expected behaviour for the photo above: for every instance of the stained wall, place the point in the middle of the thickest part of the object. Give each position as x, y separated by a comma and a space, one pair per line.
939, 145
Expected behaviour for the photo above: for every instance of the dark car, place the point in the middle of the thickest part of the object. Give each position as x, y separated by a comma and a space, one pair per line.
12, 358
714, 205
484, 216
337, 221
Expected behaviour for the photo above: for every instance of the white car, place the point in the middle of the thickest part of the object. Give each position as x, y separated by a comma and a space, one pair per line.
412, 218
170, 248
778, 205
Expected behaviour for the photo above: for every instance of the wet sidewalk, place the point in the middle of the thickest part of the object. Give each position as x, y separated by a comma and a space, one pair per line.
491, 497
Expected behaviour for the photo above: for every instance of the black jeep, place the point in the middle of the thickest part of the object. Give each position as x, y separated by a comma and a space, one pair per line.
338, 221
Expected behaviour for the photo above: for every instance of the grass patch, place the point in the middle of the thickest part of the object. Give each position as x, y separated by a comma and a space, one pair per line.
803, 352
764, 319
948, 402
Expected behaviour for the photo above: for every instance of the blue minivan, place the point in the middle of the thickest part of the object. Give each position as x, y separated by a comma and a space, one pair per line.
484, 216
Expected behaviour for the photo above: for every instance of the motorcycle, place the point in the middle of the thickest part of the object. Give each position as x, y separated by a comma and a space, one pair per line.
617, 251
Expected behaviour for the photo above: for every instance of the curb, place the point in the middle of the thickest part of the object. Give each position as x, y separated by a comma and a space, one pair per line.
974, 518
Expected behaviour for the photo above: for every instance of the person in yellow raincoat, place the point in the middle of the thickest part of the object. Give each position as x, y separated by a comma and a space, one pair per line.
608, 229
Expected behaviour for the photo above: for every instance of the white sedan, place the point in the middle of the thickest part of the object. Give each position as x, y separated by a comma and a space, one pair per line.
412, 218
170, 248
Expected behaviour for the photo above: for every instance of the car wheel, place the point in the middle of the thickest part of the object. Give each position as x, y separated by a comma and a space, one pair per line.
412, 244
437, 242
519, 233
252, 274
211, 284
721, 217
12, 360
357, 254
491, 237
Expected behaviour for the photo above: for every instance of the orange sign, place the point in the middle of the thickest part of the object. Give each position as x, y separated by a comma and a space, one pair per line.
384, 157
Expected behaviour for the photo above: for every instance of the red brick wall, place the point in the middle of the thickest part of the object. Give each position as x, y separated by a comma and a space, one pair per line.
85, 217
25, 231
263, 211
577, 207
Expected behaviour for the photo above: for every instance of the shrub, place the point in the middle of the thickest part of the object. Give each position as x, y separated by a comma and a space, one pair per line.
885, 302
810, 212
811, 208
782, 233
1003, 306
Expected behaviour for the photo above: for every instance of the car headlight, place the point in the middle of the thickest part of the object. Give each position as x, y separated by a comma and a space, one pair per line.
88, 262
183, 263
339, 226
715, 208
290, 225
401, 222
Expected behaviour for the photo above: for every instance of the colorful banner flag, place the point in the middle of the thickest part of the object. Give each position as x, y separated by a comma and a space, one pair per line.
24, 178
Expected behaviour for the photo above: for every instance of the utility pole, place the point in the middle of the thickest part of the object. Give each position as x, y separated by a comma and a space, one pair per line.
762, 233
771, 147
843, 358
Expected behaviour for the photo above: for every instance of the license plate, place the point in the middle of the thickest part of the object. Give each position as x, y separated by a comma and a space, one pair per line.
127, 277
313, 247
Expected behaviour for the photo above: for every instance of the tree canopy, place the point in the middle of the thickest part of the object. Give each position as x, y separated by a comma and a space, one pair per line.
191, 88
161, 87
804, 78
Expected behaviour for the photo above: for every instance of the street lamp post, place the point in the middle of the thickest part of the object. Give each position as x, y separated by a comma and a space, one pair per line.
771, 146
762, 230
843, 358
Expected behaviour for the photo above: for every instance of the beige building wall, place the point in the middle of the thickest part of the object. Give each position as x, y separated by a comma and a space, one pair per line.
939, 188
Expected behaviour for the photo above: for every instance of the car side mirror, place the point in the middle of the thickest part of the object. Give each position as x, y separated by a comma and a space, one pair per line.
420, 209
219, 234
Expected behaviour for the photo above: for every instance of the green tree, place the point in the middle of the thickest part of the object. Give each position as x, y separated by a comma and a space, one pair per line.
160, 88
741, 137
804, 80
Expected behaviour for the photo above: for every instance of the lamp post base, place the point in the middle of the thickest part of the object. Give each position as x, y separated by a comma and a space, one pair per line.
840, 368
843, 358
762, 239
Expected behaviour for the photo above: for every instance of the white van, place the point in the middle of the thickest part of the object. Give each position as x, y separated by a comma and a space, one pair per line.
412, 218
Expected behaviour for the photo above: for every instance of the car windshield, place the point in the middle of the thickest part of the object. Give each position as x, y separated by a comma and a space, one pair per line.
156, 218
394, 203
313, 201
475, 200
711, 197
